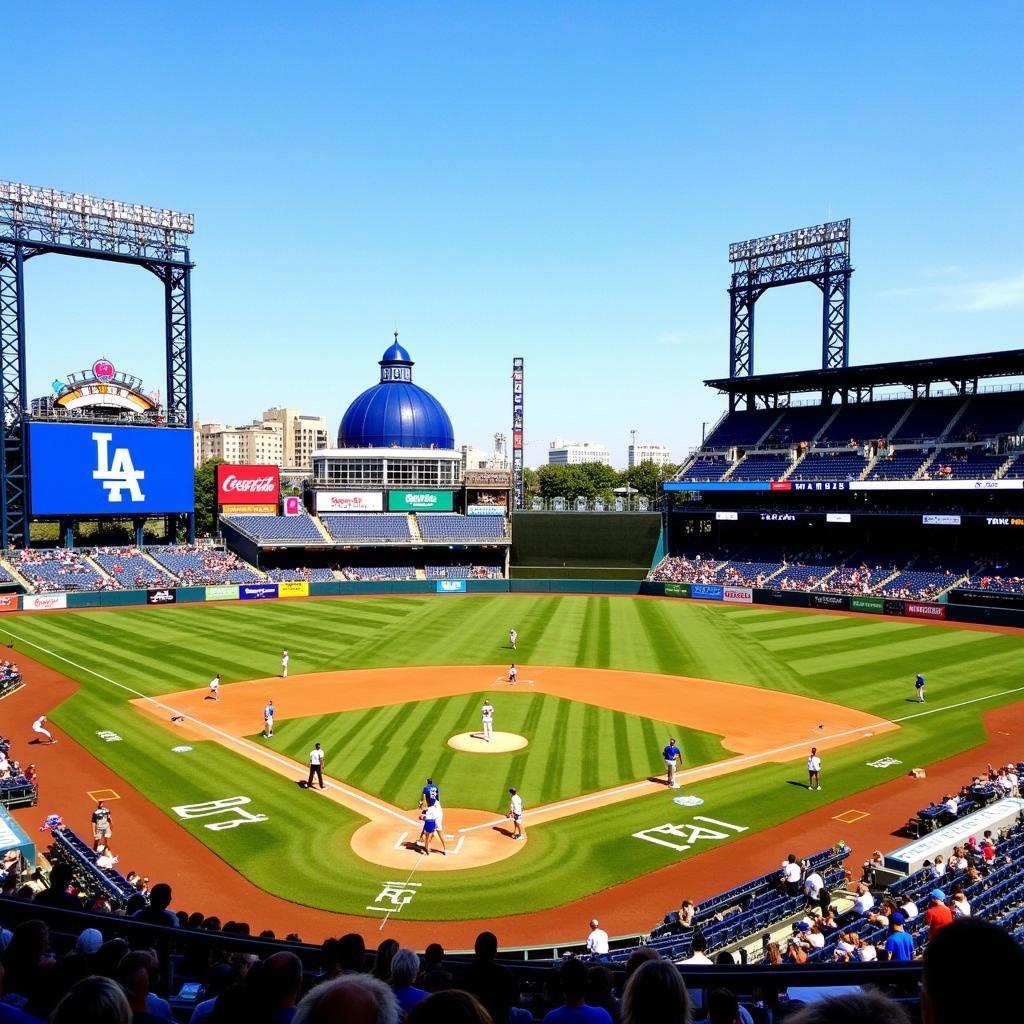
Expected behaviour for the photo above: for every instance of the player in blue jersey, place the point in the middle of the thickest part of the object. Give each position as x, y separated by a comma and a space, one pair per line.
268, 720
673, 759
429, 793
919, 686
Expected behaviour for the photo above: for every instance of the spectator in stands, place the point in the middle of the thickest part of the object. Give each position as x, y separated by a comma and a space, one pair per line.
723, 1008
351, 954
870, 866
938, 915
813, 884
405, 967
220, 976
698, 947
601, 990
960, 906
573, 981
851, 1008
908, 908
450, 1007
59, 894
349, 999
382, 961
597, 941
27, 964
686, 912
791, 875
899, 946
656, 992
157, 912
93, 1000
974, 950
274, 985
864, 901
636, 959
134, 976
494, 985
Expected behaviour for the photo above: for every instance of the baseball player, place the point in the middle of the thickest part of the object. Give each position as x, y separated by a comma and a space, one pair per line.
673, 759
513, 636
268, 719
428, 793
214, 693
487, 718
284, 664
100, 826
814, 770
919, 686
39, 727
433, 825
316, 766
513, 674
515, 812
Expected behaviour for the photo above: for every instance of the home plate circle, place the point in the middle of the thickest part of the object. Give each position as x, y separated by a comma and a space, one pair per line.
499, 743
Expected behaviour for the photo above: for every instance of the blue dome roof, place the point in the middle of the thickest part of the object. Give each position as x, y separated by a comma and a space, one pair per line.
396, 412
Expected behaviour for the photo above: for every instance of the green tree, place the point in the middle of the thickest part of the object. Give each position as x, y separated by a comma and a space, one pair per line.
531, 485
567, 482
602, 478
647, 478
206, 497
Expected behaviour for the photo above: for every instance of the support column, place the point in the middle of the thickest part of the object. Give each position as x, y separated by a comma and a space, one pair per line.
13, 496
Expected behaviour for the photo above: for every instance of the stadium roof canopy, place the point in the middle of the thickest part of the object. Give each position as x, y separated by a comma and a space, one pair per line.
963, 372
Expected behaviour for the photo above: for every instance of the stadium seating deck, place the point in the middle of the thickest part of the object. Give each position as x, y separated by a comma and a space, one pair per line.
916, 584
449, 526
898, 464
368, 527
964, 464
50, 570
762, 467
131, 568
741, 428
300, 528
928, 419
380, 572
706, 467
318, 575
844, 464
204, 566
799, 423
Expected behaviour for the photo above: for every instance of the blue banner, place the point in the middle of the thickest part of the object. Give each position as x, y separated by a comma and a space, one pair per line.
257, 591
706, 591
451, 586
717, 485
95, 469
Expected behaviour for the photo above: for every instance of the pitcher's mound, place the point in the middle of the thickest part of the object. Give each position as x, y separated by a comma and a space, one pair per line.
500, 743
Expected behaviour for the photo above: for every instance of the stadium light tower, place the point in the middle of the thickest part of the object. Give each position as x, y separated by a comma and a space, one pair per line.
819, 254
35, 221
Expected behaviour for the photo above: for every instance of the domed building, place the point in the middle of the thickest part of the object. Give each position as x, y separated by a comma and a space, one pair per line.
396, 413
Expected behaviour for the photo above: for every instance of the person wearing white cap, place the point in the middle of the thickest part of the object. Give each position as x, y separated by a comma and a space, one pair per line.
597, 940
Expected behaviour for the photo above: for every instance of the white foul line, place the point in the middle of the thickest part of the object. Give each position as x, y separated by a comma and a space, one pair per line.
240, 741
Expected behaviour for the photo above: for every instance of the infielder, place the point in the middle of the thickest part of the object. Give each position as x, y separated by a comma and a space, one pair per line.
814, 770
919, 686
39, 727
433, 825
515, 812
487, 718
513, 636
284, 664
513, 674
673, 759
214, 693
268, 720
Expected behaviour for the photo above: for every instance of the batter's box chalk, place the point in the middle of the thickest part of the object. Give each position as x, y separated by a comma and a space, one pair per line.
849, 817
688, 801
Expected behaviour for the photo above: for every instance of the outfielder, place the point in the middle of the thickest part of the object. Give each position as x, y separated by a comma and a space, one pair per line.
39, 727
487, 718
515, 812
268, 720
673, 759
513, 636
919, 686
284, 664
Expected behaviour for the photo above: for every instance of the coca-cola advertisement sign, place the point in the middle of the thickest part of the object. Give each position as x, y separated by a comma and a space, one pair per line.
248, 485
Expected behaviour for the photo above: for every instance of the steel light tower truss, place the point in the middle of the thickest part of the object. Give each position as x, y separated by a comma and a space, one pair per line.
35, 221
819, 254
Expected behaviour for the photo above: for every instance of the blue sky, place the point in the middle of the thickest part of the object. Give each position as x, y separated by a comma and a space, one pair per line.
554, 180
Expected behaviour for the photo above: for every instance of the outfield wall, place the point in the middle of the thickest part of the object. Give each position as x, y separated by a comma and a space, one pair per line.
961, 607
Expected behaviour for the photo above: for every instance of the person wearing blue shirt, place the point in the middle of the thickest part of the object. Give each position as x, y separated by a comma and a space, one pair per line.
428, 793
899, 946
573, 978
673, 759
919, 686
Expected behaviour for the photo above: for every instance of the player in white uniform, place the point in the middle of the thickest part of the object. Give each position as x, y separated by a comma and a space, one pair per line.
433, 825
284, 664
268, 719
814, 770
39, 727
487, 718
513, 674
513, 636
515, 812
214, 693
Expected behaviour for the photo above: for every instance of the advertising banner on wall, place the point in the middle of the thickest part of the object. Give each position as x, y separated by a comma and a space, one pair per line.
706, 591
867, 604
836, 601
248, 485
89, 469
737, 595
44, 602
257, 591
420, 501
924, 610
162, 595
249, 510
485, 510
677, 589
222, 593
349, 501
8, 602
451, 586
293, 588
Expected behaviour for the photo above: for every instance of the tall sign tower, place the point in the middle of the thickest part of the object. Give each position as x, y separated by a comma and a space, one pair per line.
519, 495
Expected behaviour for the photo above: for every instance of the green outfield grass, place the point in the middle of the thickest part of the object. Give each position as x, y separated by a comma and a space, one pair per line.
856, 661
574, 748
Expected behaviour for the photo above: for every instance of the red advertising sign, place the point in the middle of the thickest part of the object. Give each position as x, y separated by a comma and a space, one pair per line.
248, 485
924, 611
781, 485
8, 602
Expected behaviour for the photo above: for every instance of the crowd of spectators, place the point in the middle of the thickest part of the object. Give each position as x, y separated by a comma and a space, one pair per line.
13, 774
683, 569
50, 570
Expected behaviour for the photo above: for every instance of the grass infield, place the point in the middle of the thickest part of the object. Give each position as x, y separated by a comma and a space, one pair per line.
859, 662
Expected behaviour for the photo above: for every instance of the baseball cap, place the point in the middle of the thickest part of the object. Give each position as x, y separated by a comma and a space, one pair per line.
899, 917
937, 894
804, 926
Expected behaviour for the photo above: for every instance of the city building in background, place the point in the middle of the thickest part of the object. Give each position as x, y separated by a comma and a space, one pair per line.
285, 438
573, 453
477, 458
302, 435
659, 454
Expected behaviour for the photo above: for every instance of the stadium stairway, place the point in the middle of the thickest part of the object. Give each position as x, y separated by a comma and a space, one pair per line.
824, 427
414, 528
100, 571
869, 465
15, 575
898, 425
796, 462
323, 530
156, 565
926, 465
875, 588
956, 417
827, 576
1007, 463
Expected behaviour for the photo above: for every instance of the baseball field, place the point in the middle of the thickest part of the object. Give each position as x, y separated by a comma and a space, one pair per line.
385, 683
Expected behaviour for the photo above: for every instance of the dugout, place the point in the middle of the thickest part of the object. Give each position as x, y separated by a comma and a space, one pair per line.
585, 545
